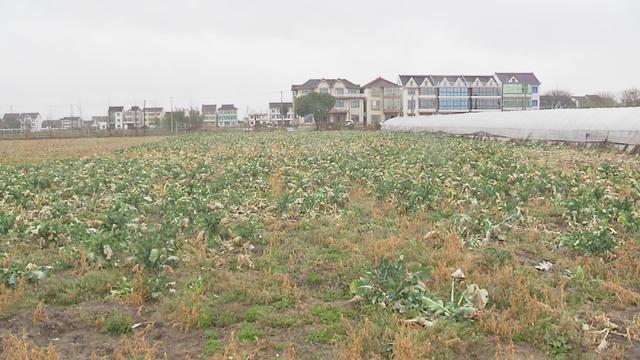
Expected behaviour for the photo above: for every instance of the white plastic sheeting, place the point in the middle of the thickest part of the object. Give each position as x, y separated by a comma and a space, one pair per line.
612, 125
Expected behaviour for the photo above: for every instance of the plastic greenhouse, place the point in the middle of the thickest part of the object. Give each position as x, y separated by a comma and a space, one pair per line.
620, 126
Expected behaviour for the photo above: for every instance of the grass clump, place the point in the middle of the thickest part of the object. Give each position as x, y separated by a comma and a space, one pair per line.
117, 323
249, 332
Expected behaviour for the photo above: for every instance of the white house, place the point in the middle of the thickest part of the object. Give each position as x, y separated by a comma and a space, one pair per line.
116, 117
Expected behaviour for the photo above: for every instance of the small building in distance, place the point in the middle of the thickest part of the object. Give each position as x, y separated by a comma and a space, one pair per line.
22, 121
153, 116
383, 101
133, 118
97, 122
281, 113
115, 117
520, 91
227, 115
70, 123
210, 115
257, 119
349, 101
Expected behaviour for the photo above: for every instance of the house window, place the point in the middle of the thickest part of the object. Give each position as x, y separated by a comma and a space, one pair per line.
534, 89
339, 103
375, 104
412, 91
453, 91
392, 91
427, 103
355, 103
534, 103
323, 90
353, 91
339, 91
376, 92
427, 91
305, 92
392, 103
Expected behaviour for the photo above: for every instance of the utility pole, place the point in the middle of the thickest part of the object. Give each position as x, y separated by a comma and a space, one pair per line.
144, 117
171, 115
281, 109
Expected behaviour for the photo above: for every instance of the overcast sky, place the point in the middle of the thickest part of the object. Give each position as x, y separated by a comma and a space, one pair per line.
94, 53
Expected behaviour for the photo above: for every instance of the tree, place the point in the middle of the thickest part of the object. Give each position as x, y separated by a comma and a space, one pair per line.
316, 104
557, 99
599, 101
195, 119
630, 97
283, 112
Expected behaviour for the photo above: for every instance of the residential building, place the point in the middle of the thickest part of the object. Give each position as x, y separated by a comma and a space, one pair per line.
210, 115
98, 122
70, 123
383, 101
133, 118
281, 113
22, 121
430, 94
153, 116
485, 93
116, 117
257, 119
349, 100
419, 94
520, 91
51, 124
227, 115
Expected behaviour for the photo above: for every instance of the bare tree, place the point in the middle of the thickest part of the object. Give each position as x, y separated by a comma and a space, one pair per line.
557, 99
630, 97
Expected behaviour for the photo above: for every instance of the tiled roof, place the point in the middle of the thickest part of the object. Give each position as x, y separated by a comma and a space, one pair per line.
10, 116
209, 108
523, 78
227, 107
380, 82
404, 79
483, 78
153, 109
437, 79
116, 108
313, 83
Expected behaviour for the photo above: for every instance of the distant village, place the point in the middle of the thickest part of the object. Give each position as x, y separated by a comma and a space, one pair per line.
355, 105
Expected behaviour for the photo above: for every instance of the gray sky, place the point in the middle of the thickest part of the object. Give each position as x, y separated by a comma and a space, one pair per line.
94, 53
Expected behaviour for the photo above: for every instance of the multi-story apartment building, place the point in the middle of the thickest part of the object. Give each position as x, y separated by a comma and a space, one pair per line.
116, 117
429, 94
153, 116
70, 123
210, 115
349, 101
257, 119
383, 101
133, 118
281, 113
98, 122
485, 93
520, 91
227, 115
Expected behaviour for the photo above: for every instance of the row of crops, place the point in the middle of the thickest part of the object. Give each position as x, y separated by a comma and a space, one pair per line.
134, 206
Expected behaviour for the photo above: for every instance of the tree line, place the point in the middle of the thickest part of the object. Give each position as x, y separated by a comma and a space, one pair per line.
563, 99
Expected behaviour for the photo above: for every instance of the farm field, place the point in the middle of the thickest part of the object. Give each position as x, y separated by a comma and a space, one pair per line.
322, 245
31, 150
